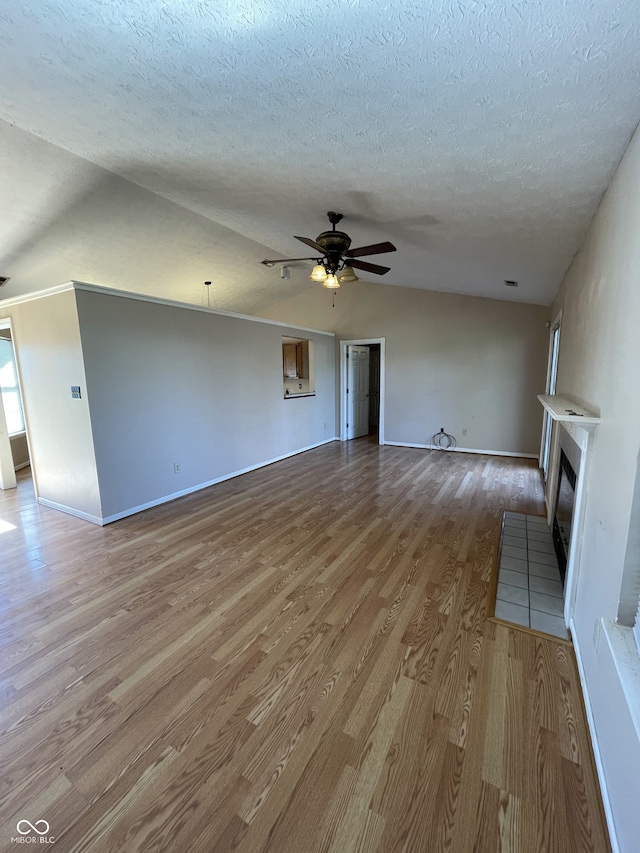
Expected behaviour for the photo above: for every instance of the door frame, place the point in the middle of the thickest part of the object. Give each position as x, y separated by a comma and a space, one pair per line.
6, 323
546, 447
343, 383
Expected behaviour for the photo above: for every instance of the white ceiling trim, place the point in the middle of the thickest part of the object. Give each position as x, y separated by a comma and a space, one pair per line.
157, 300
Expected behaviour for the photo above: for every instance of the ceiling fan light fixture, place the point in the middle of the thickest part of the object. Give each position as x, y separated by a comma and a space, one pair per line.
348, 274
331, 282
318, 273
334, 258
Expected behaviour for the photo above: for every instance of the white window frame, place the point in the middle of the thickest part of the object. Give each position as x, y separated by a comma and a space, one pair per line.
17, 388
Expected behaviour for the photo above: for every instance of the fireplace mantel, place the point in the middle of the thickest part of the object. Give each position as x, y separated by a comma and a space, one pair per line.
578, 421
565, 410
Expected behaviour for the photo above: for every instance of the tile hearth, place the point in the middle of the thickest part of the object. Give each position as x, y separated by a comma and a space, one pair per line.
529, 587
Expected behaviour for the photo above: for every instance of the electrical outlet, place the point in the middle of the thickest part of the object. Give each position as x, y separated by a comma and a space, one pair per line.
464, 430
596, 634
176, 468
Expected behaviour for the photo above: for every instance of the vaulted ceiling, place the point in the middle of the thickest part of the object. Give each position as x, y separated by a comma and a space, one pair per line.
478, 137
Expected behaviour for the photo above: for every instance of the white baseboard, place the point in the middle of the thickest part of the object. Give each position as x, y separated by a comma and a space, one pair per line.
22, 465
615, 847
94, 519
465, 450
174, 495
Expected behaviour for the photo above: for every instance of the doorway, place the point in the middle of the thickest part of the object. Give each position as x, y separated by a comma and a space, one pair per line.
362, 371
552, 375
14, 451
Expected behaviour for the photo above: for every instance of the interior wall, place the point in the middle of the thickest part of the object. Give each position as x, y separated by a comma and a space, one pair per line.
599, 366
19, 451
456, 362
46, 337
172, 385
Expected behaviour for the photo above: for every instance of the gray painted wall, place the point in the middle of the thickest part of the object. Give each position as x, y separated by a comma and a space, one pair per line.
167, 384
160, 384
456, 362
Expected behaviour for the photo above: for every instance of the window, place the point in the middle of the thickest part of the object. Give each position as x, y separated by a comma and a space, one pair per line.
9, 387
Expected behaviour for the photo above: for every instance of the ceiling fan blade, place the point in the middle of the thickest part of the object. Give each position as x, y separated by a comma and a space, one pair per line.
312, 244
269, 263
366, 266
375, 249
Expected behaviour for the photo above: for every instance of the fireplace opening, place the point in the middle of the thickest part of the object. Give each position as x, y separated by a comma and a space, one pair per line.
565, 500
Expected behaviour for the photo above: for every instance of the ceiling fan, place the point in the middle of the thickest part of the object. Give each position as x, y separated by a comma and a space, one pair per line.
337, 261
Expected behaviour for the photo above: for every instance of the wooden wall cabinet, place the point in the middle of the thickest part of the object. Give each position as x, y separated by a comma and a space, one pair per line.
295, 360
290, 360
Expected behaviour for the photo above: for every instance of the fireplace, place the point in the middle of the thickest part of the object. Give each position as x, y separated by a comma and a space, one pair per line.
565, 501
572, 433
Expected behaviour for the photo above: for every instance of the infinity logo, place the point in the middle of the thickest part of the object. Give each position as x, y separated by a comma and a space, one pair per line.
33, 827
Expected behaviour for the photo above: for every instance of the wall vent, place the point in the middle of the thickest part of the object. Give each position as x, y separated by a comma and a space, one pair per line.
4, 279
509, 282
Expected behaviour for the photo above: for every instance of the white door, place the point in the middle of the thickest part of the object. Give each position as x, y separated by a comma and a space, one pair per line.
374, 388
357, 391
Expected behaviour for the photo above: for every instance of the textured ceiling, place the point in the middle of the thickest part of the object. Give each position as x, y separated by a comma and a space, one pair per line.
478, 137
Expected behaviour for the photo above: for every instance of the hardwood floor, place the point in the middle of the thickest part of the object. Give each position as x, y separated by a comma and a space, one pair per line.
295, 660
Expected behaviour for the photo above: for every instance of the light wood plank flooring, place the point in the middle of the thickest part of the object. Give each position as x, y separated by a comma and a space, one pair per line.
295, 660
